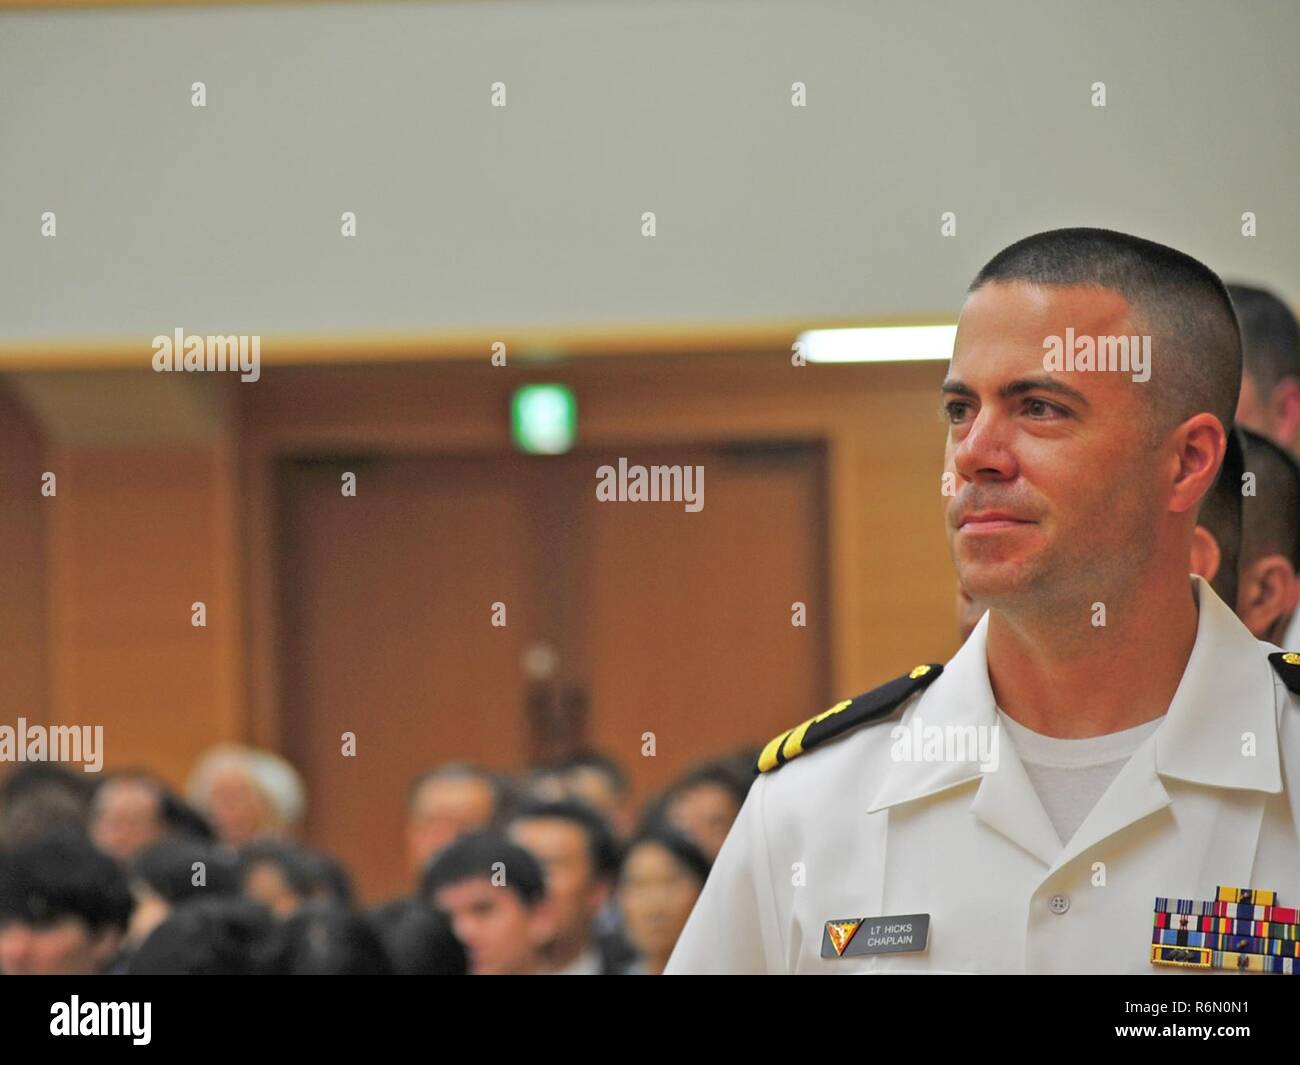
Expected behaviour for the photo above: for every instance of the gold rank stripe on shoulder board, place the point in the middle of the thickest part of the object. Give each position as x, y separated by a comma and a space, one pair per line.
1287, 665
843, 717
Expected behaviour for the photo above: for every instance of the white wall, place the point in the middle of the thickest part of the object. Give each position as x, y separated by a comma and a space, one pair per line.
227, 218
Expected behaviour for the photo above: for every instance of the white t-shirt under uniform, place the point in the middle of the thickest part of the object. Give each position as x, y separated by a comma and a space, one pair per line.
1070, 776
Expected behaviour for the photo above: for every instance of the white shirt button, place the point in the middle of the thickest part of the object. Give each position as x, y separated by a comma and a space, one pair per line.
1059, 903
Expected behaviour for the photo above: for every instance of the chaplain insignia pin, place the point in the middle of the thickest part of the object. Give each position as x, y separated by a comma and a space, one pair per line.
860, 936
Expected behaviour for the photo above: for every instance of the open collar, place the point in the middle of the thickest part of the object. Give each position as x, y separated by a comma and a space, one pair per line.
1220, 729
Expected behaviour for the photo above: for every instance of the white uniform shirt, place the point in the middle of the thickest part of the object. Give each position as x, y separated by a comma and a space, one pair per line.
1069, 776
1291, 641
846, 831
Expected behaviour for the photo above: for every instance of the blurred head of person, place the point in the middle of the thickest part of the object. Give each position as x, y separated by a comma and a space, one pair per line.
64, 906
176, 870
703, 804
1270, 384
579, 859
247, 794
663, 874
494, 893
1268, 587
39, 797
1216, 541
446, 803
325, 939
126, 814
133, 809
419, 940
284, 876
226, 936
592, 778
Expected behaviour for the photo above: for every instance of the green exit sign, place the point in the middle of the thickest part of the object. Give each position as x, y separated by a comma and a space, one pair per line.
544, 419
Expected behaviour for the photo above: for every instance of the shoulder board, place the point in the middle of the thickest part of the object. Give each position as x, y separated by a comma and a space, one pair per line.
1287, 664
842, 717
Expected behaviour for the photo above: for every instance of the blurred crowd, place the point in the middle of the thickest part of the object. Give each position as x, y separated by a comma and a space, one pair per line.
552, 871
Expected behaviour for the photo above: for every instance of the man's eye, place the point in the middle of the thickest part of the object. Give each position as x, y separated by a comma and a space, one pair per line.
1040, 408
955, 410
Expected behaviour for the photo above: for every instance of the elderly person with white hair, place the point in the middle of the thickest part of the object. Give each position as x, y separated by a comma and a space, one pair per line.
247, 793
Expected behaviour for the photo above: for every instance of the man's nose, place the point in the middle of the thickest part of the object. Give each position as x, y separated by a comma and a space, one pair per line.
985, 452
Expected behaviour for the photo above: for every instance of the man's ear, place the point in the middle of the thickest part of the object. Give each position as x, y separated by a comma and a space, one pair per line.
1206, 556
1201, 443
1267, 594
1284, 412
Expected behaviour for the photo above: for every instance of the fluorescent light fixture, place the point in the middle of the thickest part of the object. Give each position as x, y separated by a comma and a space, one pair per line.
899, 343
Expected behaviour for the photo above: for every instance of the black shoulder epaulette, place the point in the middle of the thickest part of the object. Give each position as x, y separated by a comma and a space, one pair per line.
1287, 664
840, 718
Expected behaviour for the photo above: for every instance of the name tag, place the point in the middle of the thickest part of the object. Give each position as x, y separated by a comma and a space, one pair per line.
858, 936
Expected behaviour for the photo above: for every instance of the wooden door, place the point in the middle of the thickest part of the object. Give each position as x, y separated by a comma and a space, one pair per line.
666, 621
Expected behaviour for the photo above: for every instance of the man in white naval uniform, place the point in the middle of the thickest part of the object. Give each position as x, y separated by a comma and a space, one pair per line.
1109, 735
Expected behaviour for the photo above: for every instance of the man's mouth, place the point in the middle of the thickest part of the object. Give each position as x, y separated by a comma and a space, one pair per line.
990, 521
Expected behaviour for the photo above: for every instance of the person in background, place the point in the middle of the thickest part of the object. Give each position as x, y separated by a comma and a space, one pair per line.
131, 810
1270, 541
592, 778
1269, 403
38, 797
284, 876
173, 871
247, 794
702, 805
64, 907
663, 874
418, 939
325, 939
126, 815
228, 936
446, 803
494, 893
579, 857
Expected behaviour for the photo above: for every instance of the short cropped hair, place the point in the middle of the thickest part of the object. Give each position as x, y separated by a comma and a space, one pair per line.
1271, 516
1270, 336
474, 857
597, 762
601, 846
1178, 301
460, 771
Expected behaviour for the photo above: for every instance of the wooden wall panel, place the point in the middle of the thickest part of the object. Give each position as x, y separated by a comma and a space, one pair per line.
136, 536
24, 680
386, 629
